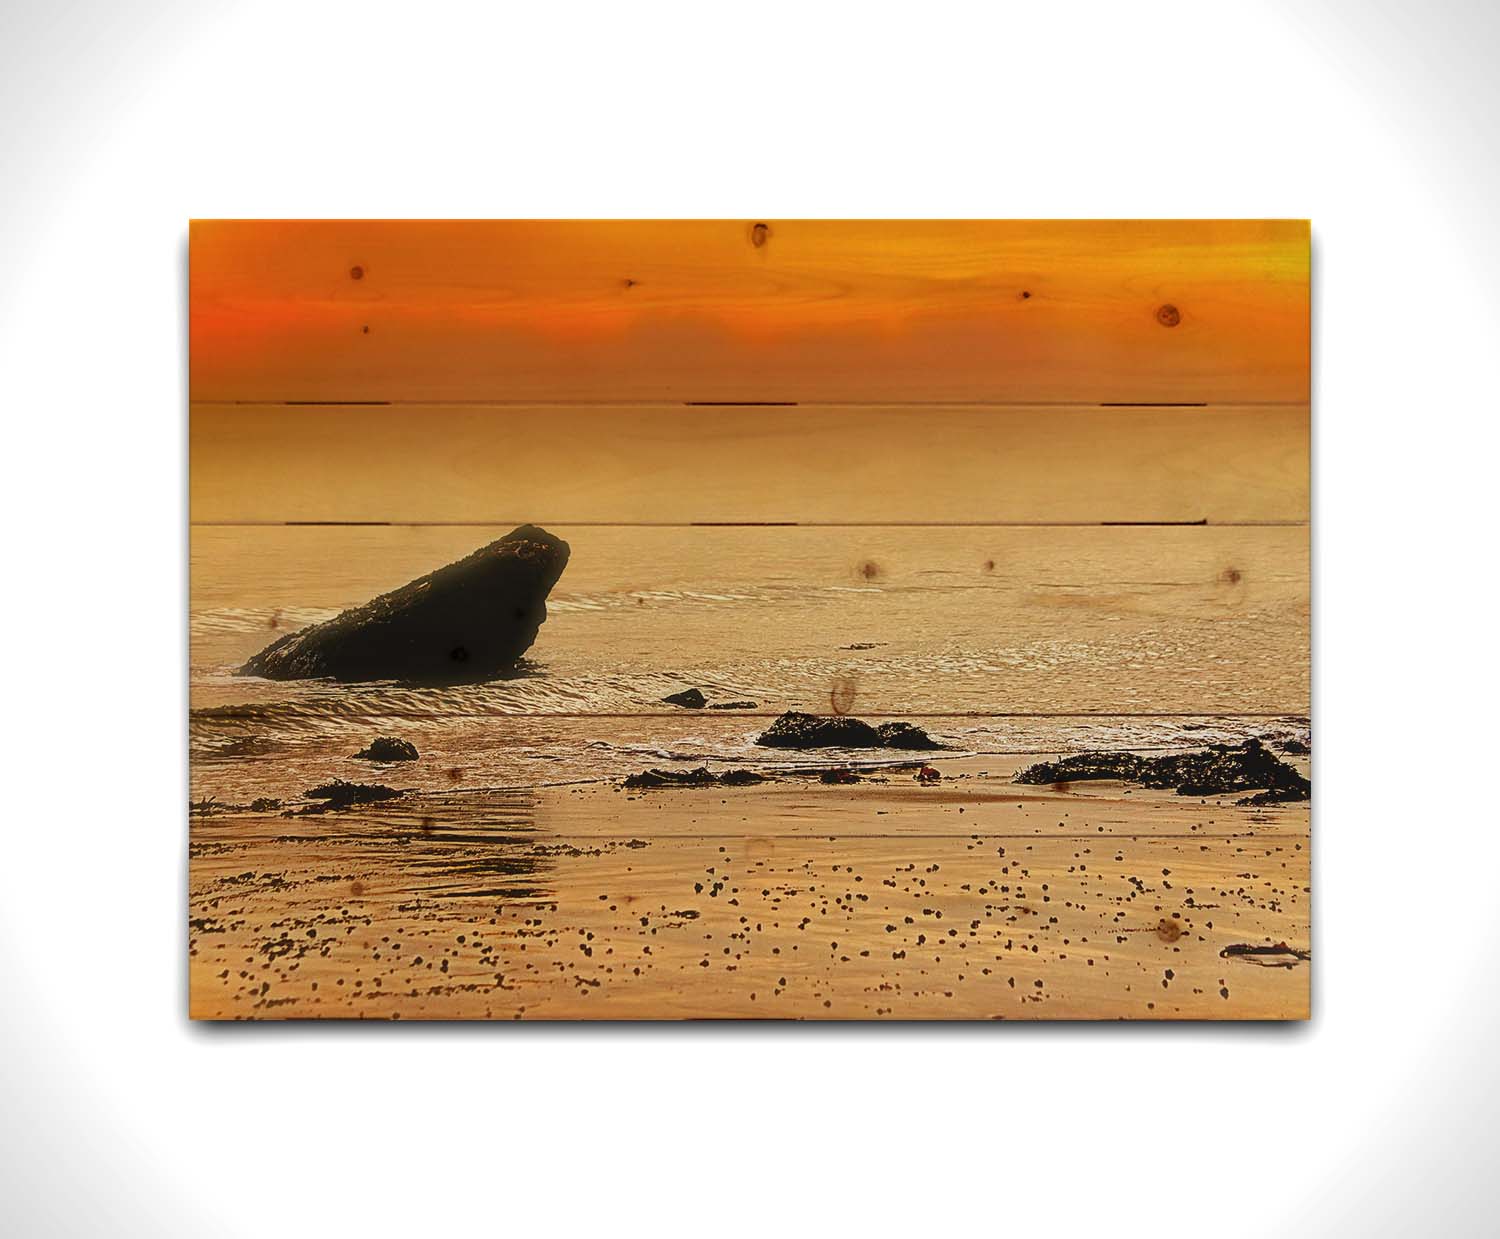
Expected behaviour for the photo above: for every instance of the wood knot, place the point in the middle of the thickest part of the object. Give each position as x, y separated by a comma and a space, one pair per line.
1168, 315
1025, 295
759, 234
868, 569
356, 273
841, 694
1231, 576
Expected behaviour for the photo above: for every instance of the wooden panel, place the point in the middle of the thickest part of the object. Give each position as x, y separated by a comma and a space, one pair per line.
897, 621
662, 463
1039, 487
1019, 311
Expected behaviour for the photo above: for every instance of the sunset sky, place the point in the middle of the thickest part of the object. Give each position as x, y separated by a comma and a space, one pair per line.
745, 309
636, 331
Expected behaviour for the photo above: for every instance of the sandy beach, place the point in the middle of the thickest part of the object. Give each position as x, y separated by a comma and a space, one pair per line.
973, 898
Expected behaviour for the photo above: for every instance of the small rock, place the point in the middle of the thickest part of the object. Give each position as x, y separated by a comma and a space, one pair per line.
388, 748
741, 778
795, 730
905, 736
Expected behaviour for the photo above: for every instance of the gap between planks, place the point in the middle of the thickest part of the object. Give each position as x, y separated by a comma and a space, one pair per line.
670, 402
687, 715
1204, 523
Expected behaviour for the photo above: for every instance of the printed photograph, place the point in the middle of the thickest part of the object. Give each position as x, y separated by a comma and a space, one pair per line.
750, 619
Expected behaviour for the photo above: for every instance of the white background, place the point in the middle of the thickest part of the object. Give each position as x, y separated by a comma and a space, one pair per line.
119, 121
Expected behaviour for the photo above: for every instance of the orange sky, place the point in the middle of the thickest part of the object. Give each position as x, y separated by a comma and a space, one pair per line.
819, 310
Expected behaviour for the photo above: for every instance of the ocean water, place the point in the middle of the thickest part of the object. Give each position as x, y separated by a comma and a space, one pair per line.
997, 640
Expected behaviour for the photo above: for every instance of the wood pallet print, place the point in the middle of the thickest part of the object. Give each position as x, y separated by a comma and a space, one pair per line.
750, 619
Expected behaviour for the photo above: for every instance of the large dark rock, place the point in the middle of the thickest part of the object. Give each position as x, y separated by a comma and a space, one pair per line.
794, 730
1217, 770
469, 621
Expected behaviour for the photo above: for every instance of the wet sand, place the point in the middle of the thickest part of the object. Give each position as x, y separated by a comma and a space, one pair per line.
886, 899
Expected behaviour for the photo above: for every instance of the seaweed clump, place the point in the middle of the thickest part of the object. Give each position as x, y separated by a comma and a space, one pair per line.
341, 795
701, 777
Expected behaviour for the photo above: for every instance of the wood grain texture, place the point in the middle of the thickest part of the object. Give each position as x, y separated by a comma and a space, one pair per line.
1040, 487
977, 311
900, 621
667, 463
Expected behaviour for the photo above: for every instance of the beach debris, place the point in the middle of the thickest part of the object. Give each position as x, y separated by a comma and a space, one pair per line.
388, 748
927, 774
1217, 770
469, 621
211, 804
1278, 956
340, 795
839, 774
701, 777
795, 730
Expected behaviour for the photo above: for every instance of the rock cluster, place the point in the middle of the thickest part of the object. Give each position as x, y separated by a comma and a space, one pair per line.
795, 730
1217, 770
